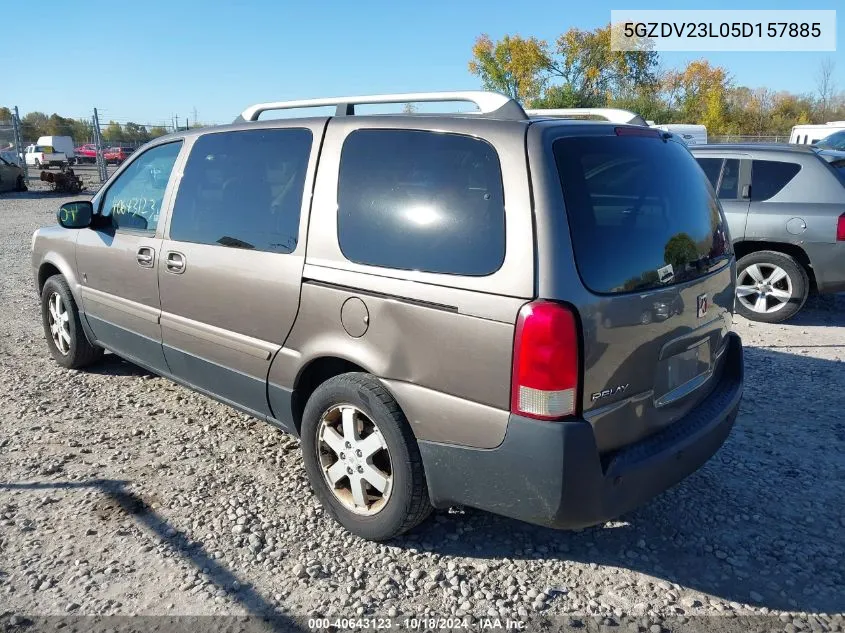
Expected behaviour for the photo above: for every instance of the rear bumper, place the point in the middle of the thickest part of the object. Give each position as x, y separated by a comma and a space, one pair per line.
552, 474
828, 262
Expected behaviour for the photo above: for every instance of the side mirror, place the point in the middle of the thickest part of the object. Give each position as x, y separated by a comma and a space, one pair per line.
76, 215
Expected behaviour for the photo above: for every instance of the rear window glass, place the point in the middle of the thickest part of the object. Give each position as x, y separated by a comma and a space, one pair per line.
416, 200
640, 213
768, 177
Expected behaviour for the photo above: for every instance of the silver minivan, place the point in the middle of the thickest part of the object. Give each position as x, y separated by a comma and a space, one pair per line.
526, 315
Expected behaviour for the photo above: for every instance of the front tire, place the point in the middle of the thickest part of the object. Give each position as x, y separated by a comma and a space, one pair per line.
66, 339
362, 458
771, 287
20, 184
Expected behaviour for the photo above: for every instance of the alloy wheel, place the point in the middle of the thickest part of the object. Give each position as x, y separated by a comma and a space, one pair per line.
59, 321
764, 288
354, 459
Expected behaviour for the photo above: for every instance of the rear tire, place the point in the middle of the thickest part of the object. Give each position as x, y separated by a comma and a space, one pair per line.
403, 502
66, 339
20, 184
771, 287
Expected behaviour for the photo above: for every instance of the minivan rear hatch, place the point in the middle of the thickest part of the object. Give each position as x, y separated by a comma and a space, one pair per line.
653, 252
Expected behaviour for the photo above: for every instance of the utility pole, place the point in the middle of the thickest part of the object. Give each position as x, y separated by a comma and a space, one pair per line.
16, 127
177, 122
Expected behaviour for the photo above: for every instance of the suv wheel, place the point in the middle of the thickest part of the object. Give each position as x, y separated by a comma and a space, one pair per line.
62, 328
770, 287
362, 458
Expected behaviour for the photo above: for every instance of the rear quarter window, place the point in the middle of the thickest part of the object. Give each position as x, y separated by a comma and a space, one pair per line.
769, 177
418, 200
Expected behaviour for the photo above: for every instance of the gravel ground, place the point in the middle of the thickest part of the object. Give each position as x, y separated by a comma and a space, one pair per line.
122, 493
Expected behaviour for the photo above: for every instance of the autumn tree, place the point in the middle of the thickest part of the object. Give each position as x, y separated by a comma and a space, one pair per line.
514, 66
594, 72
699, 94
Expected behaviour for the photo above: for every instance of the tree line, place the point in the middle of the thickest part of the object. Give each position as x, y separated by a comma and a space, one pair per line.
579, 69
36, 124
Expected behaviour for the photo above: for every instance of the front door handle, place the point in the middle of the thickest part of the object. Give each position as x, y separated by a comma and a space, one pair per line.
146, 257
175, 262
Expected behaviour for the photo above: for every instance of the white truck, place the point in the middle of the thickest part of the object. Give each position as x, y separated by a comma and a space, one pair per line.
60, 144
44, 157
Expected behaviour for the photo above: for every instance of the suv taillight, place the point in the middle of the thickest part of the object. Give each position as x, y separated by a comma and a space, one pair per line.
840, 229
545, 362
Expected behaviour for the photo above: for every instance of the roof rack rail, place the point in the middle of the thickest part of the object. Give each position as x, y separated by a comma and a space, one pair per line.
490, 104
614, 115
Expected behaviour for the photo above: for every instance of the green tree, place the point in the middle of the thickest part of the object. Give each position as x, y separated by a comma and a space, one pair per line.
680, 250
5, 114
33, 125
157, 130
585, 62
113, 132
514, 66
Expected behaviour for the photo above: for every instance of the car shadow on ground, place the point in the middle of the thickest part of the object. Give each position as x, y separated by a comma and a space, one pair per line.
764, 515
821, 310
265, 616
113, 365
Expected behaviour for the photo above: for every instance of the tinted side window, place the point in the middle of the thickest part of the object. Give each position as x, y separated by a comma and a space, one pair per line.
134, 200
768, 177
416, 200
712, 167
729, 187
244, 190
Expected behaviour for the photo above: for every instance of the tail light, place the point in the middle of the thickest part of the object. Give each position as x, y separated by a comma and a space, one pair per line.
840, 229
545, 362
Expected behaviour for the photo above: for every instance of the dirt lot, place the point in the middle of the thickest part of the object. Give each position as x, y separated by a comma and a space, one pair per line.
121, 493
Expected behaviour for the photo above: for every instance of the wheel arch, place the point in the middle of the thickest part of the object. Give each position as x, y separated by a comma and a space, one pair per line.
53, 264
313, 374
747, 247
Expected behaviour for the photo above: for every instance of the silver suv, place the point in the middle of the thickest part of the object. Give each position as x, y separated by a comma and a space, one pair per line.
785, 205
525, 315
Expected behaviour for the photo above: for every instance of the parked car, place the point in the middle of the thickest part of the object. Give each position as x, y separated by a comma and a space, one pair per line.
10, 156
86, 153
117, 154
785, 205
60, 144
44, 157
11, 176
428, 348
689, 133
835, 141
